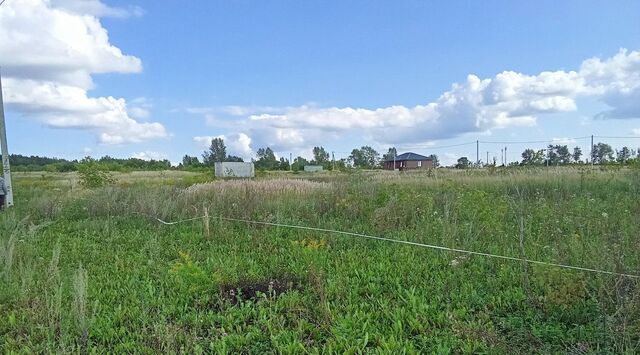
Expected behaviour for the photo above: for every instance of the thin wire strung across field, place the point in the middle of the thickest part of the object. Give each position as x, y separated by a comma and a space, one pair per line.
406, 242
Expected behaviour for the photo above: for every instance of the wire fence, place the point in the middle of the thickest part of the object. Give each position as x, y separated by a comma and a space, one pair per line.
397, 241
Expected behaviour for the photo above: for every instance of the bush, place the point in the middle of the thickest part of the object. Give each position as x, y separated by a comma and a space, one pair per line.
92, 175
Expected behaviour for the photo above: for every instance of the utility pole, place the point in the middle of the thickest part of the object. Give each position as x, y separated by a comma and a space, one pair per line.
487, 157
547, 157
592, 150
477, 152
6, 169
501, 156
290, 161
333, 157
505, 156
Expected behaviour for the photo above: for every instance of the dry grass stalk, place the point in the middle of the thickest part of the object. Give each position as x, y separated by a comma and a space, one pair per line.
269, 186
205, 222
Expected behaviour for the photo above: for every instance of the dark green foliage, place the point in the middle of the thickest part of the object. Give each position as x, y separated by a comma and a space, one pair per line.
233, 158
436, 162
35, 163
217, 152
577, 153
321, 157
299, 163
93, 175
189, 161
623, 155
602, 153
365, 157
558, 155
532, 157
391, 153
266, 159
463, 163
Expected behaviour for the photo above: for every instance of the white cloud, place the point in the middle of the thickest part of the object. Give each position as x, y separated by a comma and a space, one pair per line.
616, 81
563, 141
53, 48
237, 144
636, 131
149, 155
478, 105
97, 8
139, 108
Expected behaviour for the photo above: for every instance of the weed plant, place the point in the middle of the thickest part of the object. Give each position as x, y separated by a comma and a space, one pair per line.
93, 271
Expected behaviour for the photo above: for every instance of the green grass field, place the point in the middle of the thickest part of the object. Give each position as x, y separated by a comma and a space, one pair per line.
91, 270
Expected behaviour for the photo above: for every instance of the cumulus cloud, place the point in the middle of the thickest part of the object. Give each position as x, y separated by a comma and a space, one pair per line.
53, 48
509, 99
563, 141
616, 81
149, 155
97, 8
238, 144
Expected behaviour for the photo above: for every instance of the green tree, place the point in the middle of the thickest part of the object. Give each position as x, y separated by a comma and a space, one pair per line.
266, 159
190, 161
233, 158
283, 164
558, 155
532, 157
527, 156
564, 156
623, 155
299, 163
93, 174
463, 163
436, 161
365, 157
577, 153
391, 153
320, 157
602, 153
217, 152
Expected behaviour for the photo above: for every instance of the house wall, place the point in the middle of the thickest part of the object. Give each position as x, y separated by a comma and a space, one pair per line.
404, 164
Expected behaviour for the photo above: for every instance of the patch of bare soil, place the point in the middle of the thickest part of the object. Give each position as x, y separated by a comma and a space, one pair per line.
252, 290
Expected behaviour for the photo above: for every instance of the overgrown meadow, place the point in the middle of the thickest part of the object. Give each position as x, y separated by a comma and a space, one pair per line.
93, 271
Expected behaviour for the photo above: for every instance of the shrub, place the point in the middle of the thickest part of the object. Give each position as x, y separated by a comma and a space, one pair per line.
92, 175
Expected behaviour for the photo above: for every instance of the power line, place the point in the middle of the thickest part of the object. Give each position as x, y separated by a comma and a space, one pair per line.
559, 140
618, 137
437, 146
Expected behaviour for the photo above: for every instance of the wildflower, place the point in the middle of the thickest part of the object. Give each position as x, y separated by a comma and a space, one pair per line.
605, 215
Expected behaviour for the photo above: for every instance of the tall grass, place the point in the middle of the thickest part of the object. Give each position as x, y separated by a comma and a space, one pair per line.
157, 288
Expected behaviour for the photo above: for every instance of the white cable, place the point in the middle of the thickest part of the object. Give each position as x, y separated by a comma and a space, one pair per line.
430, 246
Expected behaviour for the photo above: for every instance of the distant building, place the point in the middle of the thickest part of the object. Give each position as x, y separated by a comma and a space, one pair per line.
234, 169
312, 168
409, 161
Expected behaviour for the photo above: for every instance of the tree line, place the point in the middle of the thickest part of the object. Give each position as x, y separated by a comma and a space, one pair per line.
601, 153
36, 163
557, 154
364, 157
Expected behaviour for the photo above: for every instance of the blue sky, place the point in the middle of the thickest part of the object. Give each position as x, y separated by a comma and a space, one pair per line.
293, 74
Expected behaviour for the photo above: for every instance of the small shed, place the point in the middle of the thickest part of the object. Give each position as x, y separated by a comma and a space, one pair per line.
234, 169
408, 161
312, 168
